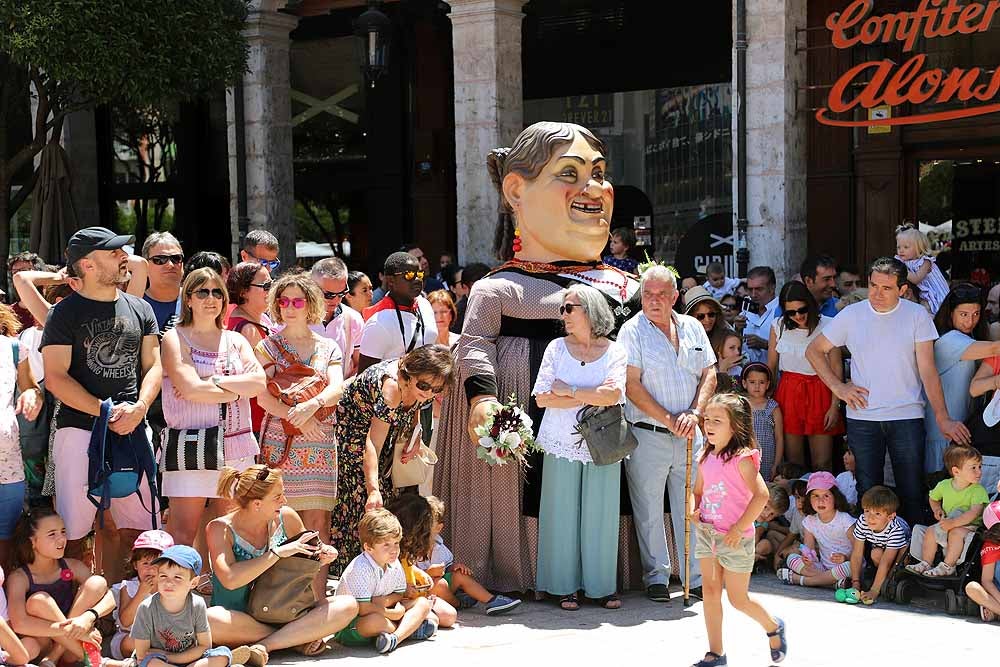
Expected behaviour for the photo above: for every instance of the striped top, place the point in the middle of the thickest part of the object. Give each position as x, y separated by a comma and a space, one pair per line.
180, 413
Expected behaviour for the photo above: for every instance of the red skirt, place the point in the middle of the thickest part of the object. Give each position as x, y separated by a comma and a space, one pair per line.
804, 401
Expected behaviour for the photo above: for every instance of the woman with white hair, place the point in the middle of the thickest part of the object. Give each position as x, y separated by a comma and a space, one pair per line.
578, 513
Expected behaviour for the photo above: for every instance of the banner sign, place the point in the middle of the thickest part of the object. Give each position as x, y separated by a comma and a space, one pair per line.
887, 83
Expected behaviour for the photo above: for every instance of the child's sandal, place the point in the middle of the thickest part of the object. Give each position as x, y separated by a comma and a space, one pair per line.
778, 654
715, 661
610, 601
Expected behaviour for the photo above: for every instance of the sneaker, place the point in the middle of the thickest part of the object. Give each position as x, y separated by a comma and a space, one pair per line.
785, 575
386, 642
843, 584
501, 604
919, 567
426, 630
696, 593
465, 601
658, 593
942, 569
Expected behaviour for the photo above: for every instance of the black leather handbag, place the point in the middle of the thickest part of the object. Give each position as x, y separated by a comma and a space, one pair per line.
608, 436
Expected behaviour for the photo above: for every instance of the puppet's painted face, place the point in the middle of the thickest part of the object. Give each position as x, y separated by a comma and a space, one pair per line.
565, 212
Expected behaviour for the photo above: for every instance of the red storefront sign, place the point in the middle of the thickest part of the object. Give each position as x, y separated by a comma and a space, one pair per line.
886, 83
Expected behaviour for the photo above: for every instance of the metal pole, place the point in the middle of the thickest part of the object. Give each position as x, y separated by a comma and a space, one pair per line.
239, 119
687, 523
742, 251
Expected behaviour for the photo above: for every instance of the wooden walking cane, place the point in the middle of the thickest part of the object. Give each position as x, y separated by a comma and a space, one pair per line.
687, 523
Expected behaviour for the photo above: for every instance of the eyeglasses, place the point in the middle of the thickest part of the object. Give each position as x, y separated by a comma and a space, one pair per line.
160, 260
727, 308
804, 310
264, 286
204, 293
567, 309
334, 295
269, 264
410, 275
298, 302
702, 316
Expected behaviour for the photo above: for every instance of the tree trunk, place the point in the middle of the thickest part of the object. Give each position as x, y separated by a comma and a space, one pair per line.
4, 222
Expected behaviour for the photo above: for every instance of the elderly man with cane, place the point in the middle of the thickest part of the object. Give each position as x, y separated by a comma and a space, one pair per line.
670, 378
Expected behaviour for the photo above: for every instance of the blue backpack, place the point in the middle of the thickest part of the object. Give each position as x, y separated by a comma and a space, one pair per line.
118, 464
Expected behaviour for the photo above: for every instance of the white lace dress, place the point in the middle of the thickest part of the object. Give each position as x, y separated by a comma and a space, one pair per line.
556, 435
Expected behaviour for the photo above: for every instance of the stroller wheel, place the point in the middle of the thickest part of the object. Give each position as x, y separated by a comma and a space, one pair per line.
904, 591
952, 604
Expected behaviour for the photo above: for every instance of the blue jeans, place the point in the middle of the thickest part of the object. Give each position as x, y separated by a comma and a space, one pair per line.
904, 441
11, 507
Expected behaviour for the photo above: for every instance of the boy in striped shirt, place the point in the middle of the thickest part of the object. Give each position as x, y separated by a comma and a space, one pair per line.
879, 537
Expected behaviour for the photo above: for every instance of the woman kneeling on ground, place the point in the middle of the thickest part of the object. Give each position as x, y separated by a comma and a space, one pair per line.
244, 544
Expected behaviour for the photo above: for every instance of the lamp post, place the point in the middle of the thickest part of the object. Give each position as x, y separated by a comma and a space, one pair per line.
374, 32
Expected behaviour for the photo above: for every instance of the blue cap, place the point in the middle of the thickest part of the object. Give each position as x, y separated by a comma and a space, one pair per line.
182, 555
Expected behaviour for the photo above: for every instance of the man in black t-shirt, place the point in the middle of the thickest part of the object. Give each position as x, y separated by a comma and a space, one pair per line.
98, 343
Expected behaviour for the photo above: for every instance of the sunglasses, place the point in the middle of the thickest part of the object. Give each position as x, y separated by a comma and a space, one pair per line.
567, 309
702, 316
334, 295
421, 385
160, 260
298, 302
804, 310
410, 275
269, 264
727, 308
264, 286
203, 293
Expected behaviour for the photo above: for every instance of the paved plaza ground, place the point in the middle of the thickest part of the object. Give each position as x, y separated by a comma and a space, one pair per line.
821, 633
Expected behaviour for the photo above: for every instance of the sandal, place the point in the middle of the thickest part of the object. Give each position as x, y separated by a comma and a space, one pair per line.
716, 661
569, 602
312, 649
610, 601
778, 654
258, 656
987, 615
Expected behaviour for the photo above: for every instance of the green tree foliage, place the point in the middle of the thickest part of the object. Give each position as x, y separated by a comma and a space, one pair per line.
138, 54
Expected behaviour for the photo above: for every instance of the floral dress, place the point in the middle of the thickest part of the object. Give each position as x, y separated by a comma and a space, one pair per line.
362, 401
310, 471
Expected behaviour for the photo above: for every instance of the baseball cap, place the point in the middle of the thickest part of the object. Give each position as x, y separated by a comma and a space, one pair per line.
157, 540
182, 555
991, 514
821, 481
86, 240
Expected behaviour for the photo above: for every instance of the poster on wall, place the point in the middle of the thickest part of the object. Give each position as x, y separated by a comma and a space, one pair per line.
709, 240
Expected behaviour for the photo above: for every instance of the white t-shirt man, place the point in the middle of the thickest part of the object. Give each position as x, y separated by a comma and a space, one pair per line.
884, 358
391, 331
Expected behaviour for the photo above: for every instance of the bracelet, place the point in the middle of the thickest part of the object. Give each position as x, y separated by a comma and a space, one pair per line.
93, 611
145, 406
481, 400
272, 551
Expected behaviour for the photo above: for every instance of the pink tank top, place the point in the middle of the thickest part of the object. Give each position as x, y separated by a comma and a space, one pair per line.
725, 495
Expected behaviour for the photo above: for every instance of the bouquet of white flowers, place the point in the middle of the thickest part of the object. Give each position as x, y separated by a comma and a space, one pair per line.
506, 435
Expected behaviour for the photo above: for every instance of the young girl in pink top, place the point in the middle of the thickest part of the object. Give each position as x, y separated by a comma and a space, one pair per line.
729, 493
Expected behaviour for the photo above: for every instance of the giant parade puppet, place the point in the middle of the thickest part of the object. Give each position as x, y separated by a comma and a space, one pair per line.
555, 208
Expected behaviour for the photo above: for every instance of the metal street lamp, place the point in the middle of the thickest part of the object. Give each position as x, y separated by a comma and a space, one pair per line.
374, 32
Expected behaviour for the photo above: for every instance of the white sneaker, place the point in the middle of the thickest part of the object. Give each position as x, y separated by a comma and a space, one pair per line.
942, 569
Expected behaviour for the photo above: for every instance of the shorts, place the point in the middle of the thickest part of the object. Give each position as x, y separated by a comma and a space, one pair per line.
11, 507
350, 636
804, 401
709, 544
448, 577
198, 483
940, 536
116, 644
69, 450
215, 652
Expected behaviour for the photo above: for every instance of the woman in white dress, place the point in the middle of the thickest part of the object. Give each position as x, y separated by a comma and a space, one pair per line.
578, 514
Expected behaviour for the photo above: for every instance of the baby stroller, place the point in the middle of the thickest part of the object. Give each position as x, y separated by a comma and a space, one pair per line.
902, 583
